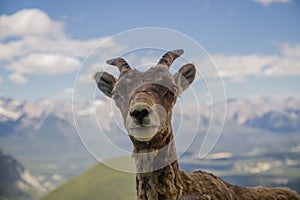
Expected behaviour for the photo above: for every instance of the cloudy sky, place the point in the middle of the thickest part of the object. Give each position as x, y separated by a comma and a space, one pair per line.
255, 44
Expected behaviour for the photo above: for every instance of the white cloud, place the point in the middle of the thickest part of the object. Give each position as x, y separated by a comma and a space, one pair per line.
29, 22
237, 67
70, 47
234, 66
1, 80
40, 46
86, 78
43, 63
44, 48
65, 94
288, 64
290, 51
268, 2
17, 78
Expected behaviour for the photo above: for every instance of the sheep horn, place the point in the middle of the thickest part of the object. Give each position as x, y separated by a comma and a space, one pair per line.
120, 63
169, 57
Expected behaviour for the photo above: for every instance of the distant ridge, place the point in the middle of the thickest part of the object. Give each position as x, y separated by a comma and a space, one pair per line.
16, 183
99, 182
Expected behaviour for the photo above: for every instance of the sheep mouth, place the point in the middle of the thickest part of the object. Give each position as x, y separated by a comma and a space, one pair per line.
143, 133
142, 127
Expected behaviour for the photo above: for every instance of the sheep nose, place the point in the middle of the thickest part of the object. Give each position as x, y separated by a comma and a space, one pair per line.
140, 112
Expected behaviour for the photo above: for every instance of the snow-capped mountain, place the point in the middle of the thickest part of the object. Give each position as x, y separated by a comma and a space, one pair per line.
275, 115
269, 114
44, 132
15, 115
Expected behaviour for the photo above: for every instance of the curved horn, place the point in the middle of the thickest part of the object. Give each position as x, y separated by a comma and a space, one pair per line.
169, 57
120, 63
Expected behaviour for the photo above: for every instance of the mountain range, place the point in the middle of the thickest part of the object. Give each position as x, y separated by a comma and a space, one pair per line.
271, 114
276, 115
43, 136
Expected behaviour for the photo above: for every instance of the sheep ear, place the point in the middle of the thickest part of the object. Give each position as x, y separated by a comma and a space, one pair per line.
105, 82
184, 77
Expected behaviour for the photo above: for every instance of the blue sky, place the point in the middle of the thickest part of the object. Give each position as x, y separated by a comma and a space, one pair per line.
255, 43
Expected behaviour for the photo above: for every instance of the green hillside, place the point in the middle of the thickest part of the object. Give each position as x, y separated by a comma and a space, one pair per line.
100, 182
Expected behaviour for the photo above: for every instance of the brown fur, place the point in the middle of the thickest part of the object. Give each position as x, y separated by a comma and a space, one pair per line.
158, 175
172, 183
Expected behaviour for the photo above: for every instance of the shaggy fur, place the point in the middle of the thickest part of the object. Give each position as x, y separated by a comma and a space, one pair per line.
172, 183
158, 175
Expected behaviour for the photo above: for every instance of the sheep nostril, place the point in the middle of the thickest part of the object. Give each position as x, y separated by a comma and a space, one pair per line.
140, 114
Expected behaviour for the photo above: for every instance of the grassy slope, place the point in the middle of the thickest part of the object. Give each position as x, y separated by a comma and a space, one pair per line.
100, 182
